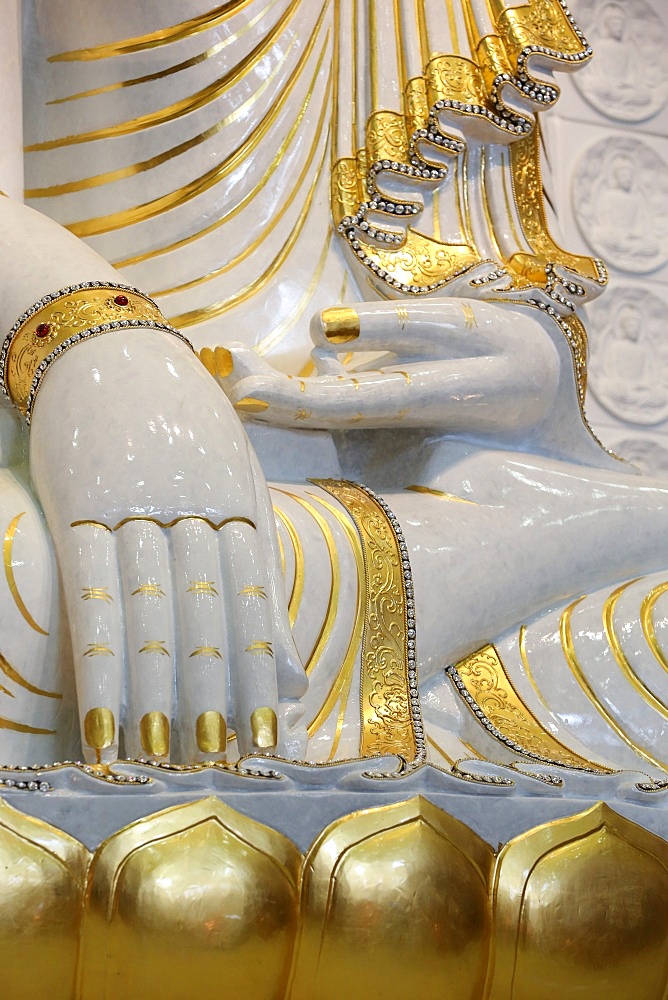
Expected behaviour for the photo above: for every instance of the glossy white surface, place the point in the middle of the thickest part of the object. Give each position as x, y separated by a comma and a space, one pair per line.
477, 400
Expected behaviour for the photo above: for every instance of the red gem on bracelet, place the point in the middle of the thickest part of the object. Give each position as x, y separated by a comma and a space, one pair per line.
43, 330
121, 300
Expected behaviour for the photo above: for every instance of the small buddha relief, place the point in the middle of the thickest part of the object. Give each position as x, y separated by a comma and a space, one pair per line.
629, 369
646, 454
628, 79
619, 193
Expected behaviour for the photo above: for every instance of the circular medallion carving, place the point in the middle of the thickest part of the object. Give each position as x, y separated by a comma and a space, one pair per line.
628, 77
629, 367
648, 455
619, 195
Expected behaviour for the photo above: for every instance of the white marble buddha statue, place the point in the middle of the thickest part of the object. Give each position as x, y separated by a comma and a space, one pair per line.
426, 345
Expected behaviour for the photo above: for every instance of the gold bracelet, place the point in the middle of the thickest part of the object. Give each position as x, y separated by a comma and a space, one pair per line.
63, 319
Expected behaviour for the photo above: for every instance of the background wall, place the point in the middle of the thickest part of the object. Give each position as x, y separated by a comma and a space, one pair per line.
607, 147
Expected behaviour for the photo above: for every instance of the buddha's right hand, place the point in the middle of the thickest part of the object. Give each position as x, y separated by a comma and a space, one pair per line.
162, 528
162, 536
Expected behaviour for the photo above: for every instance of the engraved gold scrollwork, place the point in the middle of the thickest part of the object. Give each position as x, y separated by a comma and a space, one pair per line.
55, 321
527, 188
403, 873
538, 22
455, 78
386, 137
487, 682
493, 60
346, 188
387, 723
580, 910
416, 105
195, 895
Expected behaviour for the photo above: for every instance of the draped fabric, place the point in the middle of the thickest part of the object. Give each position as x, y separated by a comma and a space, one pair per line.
250, 163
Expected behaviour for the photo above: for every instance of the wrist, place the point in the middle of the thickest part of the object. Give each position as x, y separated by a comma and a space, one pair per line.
59, 322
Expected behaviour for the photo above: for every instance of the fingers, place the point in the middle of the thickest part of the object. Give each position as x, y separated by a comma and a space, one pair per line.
437, 328
253, 675
98, 649
203, 659
144, 559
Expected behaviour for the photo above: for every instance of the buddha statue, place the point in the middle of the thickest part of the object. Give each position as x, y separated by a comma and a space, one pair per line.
295, 459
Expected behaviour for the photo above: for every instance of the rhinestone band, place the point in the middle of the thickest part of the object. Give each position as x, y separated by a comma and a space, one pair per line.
498, 735
93, 331
62, 319
411, 650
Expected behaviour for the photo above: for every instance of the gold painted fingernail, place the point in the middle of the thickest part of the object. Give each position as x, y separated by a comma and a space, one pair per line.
99, 728
224, 361
154, 728
211, 732
250, 405
206, 356
340, 324
264, 728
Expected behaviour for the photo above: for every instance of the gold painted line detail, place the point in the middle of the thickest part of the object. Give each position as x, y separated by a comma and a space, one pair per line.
155, 646
452, 23
298, 582
98, 649
241, 155
216, 525
13, 675
260, 647
268, 229
202, 587
335, 585
216, 309
253, 591
647, 621
7, 551
150, 209
111, 176
176, 68
340, 688
414, 488
568, 646
620, 656
527, 667
505, 168
274, 338
439, 749
206, 651
164, 36
148, 590
19, 727
487, 210
180, 108
4, 690
96, 594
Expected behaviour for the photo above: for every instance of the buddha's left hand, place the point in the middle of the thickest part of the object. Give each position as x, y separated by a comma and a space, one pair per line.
444, 364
